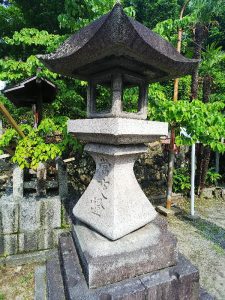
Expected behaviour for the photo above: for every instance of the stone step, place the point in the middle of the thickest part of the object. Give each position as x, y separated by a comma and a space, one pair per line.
40, 283
71, 270
55, 288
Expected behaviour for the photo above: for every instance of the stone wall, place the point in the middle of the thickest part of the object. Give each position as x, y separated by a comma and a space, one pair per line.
151, 172
5, 174
30, 224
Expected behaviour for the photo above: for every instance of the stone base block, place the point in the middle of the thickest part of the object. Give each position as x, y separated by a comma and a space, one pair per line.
8, 244
178, 282
146, 250
8, 217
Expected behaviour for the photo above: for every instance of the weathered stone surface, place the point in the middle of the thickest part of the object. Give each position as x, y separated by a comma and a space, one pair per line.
28, 241
115, 40
167, 284
41, 179
3, 178
8, 217
178, 282
56, 234
203, 295
168, 212
143, 251
45, 239
208, 192
33, 220
32, 185
40, 283
18, 174
223, 194
117, 131
62, 179
81, 171
55, 289
114, 204
50, 212
29, 215
117, 81
8, 244
33, 257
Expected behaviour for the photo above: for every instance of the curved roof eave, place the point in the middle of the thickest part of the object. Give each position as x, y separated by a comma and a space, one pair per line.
158, 52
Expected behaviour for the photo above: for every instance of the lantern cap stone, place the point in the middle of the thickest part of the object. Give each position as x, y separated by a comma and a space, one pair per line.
118, 41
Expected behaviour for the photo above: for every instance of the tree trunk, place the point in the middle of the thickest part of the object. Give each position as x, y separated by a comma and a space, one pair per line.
205, 167
172, 141
205, 151
199, 36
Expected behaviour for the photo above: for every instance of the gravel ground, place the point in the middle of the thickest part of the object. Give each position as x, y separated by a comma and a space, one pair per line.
203, 242
17, 283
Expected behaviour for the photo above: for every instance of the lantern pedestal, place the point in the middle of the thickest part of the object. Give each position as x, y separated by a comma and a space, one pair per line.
113, 191
148, 249
114, 204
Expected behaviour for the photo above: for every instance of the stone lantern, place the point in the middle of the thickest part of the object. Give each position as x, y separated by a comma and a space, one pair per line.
118, 234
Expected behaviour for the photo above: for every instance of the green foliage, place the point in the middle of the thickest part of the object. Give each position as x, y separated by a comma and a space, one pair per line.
204, 11
130, 99
33, 36
203, 122
2, 297
212, 176
11, 18
13, 70
168, 30
151, 12
49, 141
103, 98
181, 180
79, 13
212, 59
7, 138
41, 14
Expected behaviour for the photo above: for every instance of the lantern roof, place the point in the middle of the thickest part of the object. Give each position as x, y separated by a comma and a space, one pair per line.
30, 90
118, 41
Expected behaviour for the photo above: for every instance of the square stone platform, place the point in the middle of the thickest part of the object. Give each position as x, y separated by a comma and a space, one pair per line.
65, 277
145, 250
